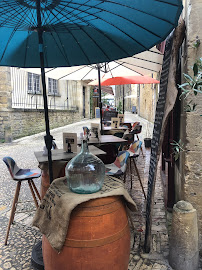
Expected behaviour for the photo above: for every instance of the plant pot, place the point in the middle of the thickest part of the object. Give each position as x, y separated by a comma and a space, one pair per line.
147, 142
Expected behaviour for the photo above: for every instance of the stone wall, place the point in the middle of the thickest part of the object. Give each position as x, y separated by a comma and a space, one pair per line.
147, 101
20, 123
16, 122
189, 174
5, 103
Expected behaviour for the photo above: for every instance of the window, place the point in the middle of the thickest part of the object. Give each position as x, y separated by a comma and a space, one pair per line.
33, 83
52, 87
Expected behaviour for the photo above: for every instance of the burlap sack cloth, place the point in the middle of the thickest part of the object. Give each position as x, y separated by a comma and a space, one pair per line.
52, 216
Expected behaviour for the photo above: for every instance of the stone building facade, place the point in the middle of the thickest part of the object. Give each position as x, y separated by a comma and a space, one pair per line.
21, 110
188, 169
130, 96
147, 99
143, 96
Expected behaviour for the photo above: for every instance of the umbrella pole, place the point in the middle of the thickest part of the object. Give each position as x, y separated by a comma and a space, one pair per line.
48, 138
123, 100
100, 101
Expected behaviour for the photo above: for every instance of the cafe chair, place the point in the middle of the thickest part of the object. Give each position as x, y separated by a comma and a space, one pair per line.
134, 152
20, 175
119, 135
129, 138
128, 125
119, 166
111, 153
137, 129
135, 124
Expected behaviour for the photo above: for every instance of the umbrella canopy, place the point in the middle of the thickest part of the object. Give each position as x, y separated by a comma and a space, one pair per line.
126, 80
142, 63
79, 32
57, 33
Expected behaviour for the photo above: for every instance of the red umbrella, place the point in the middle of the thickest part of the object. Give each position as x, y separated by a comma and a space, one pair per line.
126, 80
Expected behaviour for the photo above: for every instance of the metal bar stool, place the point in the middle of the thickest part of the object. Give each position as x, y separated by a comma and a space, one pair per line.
20, 175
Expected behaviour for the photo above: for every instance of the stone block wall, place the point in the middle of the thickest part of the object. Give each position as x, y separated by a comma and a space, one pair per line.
189, 177
147, 102
5, 103
19, 123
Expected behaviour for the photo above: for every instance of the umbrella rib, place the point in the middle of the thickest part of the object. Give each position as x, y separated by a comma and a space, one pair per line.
121, 64
74, 39
122, 5
87, 73
71, 73
26, 48
108, 36
110, 70
159, 53
127, 19
63, 15
13, 13
62, 51
11, 36
171, 4
146, 60
17, 9
119, 28
136, 66
89, 37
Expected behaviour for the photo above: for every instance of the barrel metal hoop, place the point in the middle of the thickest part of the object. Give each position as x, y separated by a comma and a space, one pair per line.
96, 242
98, 211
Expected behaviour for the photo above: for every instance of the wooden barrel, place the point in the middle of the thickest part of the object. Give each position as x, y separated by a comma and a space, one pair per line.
98, 238
45, 180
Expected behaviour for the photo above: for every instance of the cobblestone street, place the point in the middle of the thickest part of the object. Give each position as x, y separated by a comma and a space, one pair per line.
17, 254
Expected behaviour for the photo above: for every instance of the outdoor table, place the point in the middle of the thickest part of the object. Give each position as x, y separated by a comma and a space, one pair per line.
111, 130
103, 139
60, 159
59, 154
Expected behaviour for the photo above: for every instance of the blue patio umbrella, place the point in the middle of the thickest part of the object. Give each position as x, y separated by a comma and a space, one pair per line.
56, 33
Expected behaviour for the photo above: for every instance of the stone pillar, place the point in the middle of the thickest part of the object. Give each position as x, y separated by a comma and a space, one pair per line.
184, 247
5, 105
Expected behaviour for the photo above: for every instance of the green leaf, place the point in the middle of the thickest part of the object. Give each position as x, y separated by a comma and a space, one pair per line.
195, 69
198, 91
182, 85
195, 92
188, 78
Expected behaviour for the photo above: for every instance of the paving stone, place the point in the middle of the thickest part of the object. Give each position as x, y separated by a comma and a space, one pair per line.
138, 265
16, 255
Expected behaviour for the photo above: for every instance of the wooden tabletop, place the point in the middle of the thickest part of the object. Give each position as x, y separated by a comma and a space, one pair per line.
59, 154
103, 139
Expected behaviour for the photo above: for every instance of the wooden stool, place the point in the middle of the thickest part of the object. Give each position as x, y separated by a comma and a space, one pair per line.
20, 175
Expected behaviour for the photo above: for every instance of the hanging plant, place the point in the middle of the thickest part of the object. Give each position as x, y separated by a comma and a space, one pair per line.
177, 148
193, 85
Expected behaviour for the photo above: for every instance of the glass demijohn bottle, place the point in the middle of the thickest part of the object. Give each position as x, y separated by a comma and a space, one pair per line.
85, 172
